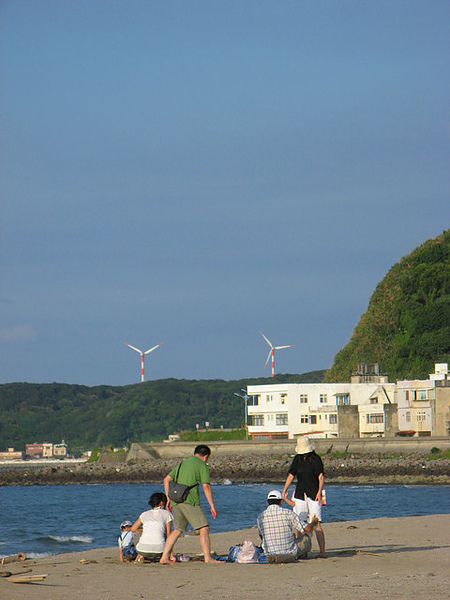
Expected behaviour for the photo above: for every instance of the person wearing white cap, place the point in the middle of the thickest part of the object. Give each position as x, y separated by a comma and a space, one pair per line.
307, 466
127, 549
284, 538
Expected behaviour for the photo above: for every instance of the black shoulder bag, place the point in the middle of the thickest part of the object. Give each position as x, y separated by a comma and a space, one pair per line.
178, 492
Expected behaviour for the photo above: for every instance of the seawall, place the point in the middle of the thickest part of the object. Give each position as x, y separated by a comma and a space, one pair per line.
143, 451
248, 462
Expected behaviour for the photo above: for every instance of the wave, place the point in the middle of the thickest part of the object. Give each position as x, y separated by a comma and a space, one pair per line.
69, 539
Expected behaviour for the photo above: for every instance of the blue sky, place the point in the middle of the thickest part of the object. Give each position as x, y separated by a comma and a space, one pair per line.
194, 172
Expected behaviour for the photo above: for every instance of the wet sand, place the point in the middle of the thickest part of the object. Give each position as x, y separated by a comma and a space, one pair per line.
402, 558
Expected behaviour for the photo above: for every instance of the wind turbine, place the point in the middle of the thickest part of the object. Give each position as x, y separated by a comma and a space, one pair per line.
272, 352
142, 356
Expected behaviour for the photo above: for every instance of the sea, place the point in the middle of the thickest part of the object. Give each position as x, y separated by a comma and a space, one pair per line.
53, 519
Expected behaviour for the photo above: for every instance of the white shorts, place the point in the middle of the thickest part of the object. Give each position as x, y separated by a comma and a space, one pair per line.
306, 509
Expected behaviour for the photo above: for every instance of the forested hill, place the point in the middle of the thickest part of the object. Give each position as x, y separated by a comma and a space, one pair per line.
89, 417
406, 327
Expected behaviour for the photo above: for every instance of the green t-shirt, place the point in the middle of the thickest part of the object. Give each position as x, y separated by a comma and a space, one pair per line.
193, 470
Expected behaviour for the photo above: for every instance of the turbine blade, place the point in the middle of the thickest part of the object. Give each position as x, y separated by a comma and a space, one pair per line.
266, 339
268, 357
281, 347
154, 348
137, 349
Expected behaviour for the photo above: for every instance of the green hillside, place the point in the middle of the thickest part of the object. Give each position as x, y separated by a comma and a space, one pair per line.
89, 417
406, 327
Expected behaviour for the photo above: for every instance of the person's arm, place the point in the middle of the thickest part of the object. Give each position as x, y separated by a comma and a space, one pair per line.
120, 549
167, 480
297, 527
136, 525
319, 493
209, 496
287, 484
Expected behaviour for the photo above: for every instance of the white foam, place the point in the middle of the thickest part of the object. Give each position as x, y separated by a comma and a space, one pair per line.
86, 539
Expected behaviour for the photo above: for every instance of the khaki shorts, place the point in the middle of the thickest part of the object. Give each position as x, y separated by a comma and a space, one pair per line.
186, 513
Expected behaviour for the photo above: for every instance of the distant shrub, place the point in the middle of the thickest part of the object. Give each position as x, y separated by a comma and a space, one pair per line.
94, 455
435, 450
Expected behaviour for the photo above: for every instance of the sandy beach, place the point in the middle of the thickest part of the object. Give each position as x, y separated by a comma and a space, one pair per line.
404, 558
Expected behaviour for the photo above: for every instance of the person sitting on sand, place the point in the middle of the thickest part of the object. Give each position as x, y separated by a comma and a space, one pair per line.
192, 471
127, 550
156, 525
284, 538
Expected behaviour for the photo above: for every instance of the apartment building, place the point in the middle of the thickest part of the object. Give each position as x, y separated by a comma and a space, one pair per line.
367, 406
424, 405
323, 410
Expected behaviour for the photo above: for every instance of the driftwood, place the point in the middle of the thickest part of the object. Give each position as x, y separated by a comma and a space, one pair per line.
14, 558
27, 578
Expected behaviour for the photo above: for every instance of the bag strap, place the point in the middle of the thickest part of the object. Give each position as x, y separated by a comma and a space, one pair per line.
178, 470
176, 477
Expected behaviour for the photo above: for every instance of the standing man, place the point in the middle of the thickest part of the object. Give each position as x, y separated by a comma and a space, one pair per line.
308, 467
192, 471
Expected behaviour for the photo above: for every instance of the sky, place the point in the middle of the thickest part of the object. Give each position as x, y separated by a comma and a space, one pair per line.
196, 172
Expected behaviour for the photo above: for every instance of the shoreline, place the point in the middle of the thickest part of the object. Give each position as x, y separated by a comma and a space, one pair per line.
385, 557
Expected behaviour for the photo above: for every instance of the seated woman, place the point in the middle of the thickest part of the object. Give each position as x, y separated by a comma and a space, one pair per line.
156, 525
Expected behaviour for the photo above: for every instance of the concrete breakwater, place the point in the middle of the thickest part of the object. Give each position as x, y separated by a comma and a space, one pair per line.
354, 469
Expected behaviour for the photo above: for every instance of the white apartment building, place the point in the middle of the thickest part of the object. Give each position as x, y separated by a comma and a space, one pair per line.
324, 410
368, 406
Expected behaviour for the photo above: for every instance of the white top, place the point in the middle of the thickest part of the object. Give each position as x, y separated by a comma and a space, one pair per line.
153, 535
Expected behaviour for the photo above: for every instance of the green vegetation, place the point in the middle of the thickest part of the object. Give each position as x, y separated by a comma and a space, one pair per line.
213, 436
437, 453
406, 328
94, 455
93, 417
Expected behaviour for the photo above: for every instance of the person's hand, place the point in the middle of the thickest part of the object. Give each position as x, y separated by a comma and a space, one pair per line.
168, 507
284, 494
318, 498
213, 511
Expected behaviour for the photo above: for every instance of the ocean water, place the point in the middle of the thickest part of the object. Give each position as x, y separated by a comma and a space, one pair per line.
45, 520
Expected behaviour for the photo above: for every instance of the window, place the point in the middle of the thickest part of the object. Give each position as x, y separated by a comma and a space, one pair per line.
303, 398
408, 416
253, 400
269, 398
304, 419
333, 419
283, 398
375, 418
323, 399
256, 420
312, 419
342, 399
420, 395
421, 415
282, 419
374, 400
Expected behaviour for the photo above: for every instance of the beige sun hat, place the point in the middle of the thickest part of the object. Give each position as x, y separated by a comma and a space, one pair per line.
303, 446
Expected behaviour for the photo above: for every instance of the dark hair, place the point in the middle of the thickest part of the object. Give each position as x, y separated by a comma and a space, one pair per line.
157, 498
202, 450
275, 501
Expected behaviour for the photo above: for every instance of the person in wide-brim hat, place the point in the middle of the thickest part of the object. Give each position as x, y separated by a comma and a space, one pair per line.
303, 446
307, 466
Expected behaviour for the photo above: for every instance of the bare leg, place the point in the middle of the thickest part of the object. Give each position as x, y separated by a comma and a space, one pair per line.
205, 544
170, 543
320, 540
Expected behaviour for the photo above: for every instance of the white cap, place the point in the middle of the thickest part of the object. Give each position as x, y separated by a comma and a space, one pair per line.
274, 495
